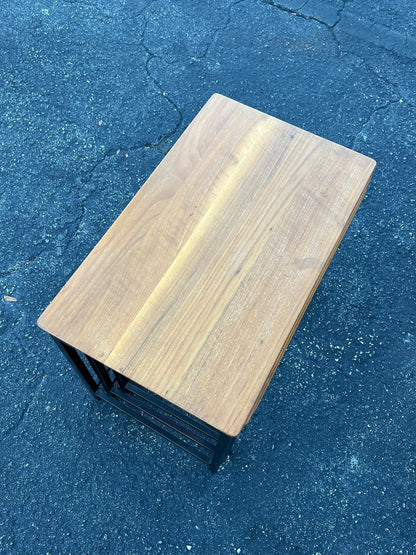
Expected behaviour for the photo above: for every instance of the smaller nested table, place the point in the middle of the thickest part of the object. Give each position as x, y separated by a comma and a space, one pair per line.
181, 313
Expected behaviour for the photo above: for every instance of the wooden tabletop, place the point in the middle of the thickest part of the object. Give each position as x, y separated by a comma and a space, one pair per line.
197, 288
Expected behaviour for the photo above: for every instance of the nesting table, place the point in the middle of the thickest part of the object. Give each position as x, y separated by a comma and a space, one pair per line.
181, 313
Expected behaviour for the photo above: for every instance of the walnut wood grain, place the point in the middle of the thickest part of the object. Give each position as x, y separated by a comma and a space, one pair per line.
197, 288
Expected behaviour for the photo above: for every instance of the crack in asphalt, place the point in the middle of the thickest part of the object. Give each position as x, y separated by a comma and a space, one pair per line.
210, 44
392, 84
292, 11
385, 106
18, 266
332, 29
342, 50
219, 29
164, 137
297, 13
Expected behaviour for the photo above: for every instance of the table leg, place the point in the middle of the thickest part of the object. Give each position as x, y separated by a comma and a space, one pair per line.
221, 451
150, 410
101, 372
76, 361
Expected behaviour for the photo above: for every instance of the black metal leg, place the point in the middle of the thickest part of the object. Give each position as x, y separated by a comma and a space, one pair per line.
76, 361
191, 434
102, 373
121, 380
221, 451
